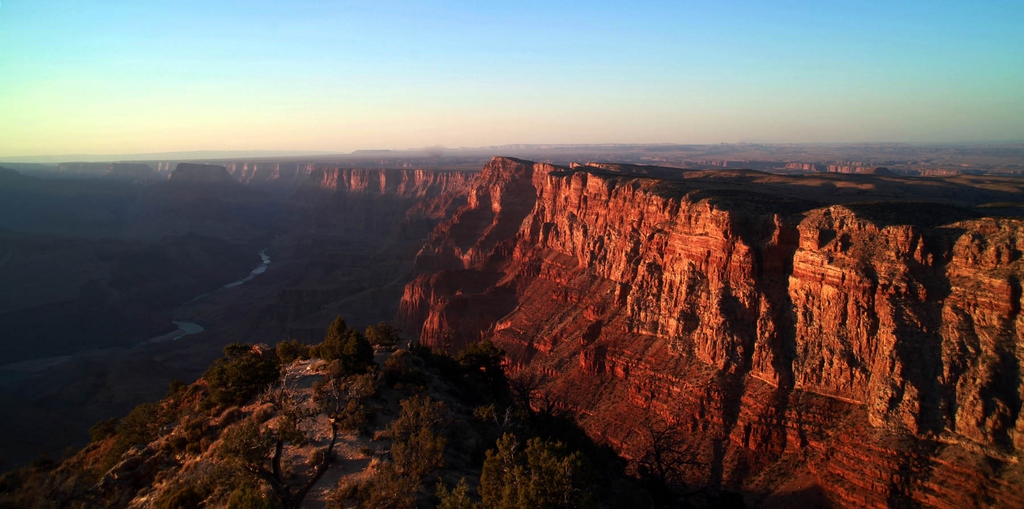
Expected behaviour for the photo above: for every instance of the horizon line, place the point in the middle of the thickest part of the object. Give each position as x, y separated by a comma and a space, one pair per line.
265, 153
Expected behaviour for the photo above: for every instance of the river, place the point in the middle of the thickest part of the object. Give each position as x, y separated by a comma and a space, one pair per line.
189, 328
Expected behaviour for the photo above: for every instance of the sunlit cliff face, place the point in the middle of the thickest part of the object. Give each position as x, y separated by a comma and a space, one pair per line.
765, 327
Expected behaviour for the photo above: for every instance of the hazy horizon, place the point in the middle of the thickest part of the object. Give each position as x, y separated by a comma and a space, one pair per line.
213, 155
318, 77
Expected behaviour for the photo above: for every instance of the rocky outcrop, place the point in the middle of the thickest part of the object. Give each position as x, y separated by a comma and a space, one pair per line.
867, 353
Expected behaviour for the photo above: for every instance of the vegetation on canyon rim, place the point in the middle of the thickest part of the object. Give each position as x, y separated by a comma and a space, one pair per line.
261, 427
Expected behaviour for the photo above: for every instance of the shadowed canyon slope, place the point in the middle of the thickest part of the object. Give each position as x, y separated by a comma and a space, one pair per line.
92, 270
855, 339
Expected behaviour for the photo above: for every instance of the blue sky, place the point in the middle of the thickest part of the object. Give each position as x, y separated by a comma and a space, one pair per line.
148, 76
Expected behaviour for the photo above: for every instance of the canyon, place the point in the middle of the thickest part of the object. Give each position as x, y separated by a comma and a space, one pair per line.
850, 340
92, 269
815, 338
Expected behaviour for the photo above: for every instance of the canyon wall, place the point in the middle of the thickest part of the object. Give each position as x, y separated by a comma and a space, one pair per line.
811, 350
382, 202
353, 237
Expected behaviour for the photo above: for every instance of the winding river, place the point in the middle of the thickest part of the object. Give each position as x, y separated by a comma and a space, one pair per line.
188, 328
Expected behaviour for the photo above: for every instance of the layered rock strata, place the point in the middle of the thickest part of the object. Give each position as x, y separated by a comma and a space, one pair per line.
863, 354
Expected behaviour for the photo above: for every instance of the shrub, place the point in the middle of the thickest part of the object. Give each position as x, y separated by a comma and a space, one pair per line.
403, 367
382, 334
544, 475
176, 387
481, 366
141, 426
245, 444
386, 489
348, 347
417, 447
457, 498
181, 496
248, 497
418, 413
103, 429
288, 351
240, 375
419, 454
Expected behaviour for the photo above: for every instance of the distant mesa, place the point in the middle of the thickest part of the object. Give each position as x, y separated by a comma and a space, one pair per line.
116, 171
803, 166
131, 171
201, 174
372, 152
11, 179
83, 169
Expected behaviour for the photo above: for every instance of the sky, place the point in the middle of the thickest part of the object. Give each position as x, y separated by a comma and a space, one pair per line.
142, 76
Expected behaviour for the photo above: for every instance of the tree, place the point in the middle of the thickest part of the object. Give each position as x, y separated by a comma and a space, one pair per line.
417, 446
665, 454
382, 334
330, 347
481, 365
525, 388
417, 449
456, 498
240, 375
288, 351
258, 449
543, 475
347, 346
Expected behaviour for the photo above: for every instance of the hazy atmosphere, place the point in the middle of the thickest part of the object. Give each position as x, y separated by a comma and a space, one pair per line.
128, 77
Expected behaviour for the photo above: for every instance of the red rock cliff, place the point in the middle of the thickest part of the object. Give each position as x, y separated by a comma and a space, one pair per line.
865, 354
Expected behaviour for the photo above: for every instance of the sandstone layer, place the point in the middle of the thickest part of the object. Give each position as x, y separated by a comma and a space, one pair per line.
816, 340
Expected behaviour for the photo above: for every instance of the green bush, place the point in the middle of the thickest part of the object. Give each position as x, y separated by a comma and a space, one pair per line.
541, 476
456, 498
382, 334
418, 448
418, 413
180, 496
103, 429
245, 444
288, 351
419, 454
405, 368
388, 489
141, 425
248, 497
482, 372
240, 375
348, 347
